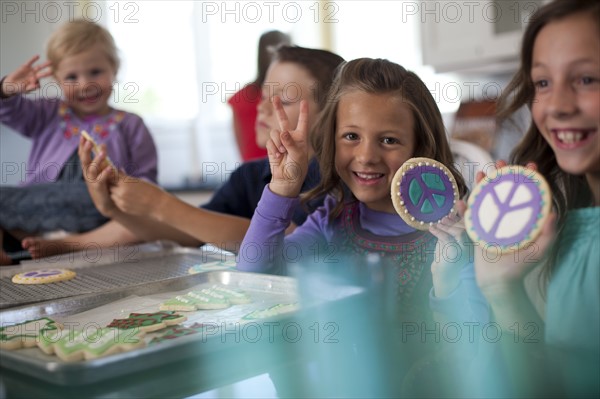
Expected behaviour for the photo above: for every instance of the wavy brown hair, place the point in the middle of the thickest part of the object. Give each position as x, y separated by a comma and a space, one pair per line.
569, 191
379, 76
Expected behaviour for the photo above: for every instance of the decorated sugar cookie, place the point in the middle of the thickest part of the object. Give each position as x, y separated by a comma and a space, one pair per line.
181, 303
509, 210
148, 321
78, 345
26, 334
177, 332
235, 297
210, 266
276, 310
423, 192
209, 299
43, 276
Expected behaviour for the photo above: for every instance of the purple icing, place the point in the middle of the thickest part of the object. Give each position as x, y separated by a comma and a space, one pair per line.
535, 203
43, 273
438, 212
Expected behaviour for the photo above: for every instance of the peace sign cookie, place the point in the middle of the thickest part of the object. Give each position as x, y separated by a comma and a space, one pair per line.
509, 210
423, 192
43, 276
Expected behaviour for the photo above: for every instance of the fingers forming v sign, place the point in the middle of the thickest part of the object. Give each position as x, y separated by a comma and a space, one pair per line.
288, 151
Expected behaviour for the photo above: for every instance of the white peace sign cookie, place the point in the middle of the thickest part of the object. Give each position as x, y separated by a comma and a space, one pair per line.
509, 210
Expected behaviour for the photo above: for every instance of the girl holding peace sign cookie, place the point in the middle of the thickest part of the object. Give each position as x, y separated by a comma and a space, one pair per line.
374, 120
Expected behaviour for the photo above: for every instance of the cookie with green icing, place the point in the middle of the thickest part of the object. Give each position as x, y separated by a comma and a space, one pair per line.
423, 192
26, 334
234, 296
178, 332
273, 311
180, 303
148, 322
78, 345
209, 299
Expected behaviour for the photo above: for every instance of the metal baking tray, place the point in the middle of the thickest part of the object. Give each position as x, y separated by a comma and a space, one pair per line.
101, 308
137, 266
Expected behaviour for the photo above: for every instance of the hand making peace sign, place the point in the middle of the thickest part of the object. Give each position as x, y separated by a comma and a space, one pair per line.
288, 151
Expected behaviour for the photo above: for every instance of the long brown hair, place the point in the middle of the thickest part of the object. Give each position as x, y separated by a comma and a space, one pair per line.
569, 191
379, 76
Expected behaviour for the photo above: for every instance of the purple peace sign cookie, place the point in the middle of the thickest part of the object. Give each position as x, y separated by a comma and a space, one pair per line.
423, 192
508, 210
43, 276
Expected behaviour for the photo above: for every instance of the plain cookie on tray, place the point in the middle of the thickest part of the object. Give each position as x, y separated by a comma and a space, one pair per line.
43, 276
509, 210
423, 192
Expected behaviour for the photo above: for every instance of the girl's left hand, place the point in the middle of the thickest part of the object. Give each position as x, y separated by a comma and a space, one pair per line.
451, 252
288, 152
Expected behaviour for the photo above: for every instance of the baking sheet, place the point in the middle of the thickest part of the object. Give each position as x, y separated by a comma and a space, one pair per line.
224, 327
134, 266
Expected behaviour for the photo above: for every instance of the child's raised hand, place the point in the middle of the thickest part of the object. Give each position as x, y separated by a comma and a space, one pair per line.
288, 152
26, 78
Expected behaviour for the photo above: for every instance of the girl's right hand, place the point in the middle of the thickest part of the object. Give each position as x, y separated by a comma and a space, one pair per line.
26, 78
97, 180
288, 152
497, 272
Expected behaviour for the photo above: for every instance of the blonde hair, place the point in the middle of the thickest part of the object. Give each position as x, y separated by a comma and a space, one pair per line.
78, 36
378, 76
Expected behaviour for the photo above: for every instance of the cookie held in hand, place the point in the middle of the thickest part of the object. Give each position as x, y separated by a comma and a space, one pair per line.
423, 192
508, 210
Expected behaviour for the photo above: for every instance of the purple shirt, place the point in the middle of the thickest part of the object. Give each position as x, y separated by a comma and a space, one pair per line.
265, 243
54, 129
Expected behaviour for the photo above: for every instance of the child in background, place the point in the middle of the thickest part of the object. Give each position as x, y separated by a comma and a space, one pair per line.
559, 79
378, 115
83, 60
296, 74
245, 101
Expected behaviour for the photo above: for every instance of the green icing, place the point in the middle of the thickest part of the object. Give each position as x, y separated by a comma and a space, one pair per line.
439, 199
110, 337
433, 181
414, 191
426, 207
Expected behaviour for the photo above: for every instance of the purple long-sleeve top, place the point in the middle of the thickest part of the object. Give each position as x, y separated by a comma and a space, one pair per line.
266, 249
54, 129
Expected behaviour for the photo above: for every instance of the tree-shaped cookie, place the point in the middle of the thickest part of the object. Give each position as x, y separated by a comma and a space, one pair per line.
423, 192
508, 210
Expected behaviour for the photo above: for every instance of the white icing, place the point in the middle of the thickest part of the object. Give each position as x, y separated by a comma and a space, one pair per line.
514, 222
488, 213
503, 190
522, 195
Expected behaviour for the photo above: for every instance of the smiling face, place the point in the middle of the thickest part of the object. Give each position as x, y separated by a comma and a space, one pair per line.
566, 108
374, 137
292, 83
86, 81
